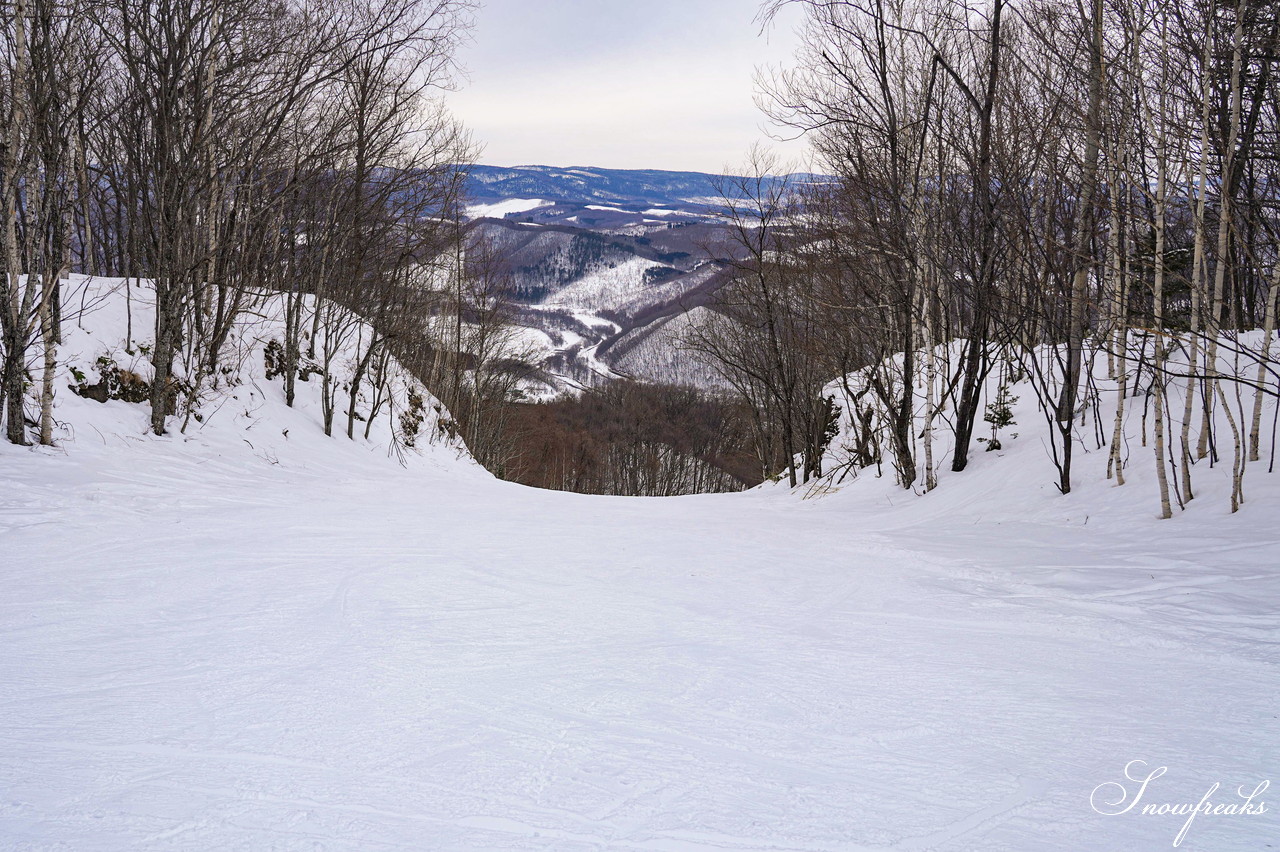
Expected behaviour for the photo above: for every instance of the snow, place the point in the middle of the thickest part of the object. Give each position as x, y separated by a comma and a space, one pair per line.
659, 352
1028, 475
604, 287
534, 340
206, 646
501, 209
592, 360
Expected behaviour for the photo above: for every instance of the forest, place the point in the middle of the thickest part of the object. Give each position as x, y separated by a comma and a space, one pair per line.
226, 152
1079, 196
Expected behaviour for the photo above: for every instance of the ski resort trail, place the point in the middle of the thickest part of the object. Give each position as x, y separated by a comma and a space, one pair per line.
203, 650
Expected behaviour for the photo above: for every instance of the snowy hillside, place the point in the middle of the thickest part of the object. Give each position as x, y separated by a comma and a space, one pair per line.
1012, 473
253, 636
578, 290
658, 352
241, 411
502, 209
606, 288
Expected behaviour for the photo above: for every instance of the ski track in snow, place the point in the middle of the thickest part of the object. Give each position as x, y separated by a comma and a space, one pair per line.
205, 651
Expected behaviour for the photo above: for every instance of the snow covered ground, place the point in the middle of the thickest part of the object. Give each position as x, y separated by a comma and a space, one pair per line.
501, 209
605, 287
205, 644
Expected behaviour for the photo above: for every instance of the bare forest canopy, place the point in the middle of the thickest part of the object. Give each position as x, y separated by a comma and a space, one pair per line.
1073, 196
226, 150
1077, 198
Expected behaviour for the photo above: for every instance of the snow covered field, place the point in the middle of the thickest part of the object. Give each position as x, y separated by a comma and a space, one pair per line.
257, 637
501, 209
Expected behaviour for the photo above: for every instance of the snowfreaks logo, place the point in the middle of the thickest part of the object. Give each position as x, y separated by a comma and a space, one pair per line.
1112, 799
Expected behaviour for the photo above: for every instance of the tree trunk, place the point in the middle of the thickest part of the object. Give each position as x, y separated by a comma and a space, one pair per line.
1268, 331
49, 339
1214, 326
16, 338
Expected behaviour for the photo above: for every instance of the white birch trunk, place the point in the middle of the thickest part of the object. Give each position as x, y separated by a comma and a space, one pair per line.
1264, 358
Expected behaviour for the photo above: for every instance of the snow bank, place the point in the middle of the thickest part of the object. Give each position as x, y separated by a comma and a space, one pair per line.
241, 415
1019, 479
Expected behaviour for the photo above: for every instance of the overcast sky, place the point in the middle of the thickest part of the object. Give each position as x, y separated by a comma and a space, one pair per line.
663, 84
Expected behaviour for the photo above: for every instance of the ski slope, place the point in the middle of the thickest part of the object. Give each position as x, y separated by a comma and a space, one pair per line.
502, 209
258, 637
205, 650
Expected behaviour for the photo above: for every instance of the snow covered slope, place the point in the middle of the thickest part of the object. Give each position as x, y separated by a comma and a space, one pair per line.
1018, 480
206, 647
500, 209
111, 323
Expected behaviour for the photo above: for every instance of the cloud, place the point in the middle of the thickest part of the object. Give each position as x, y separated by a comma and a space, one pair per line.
656, 84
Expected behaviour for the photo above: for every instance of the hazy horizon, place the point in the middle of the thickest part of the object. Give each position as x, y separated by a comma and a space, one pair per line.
801, 168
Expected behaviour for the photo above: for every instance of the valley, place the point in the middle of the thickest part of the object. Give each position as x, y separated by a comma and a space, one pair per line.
606, 268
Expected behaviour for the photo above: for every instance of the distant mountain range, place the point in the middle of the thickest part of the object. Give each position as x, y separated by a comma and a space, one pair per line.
584, 185
609, 266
